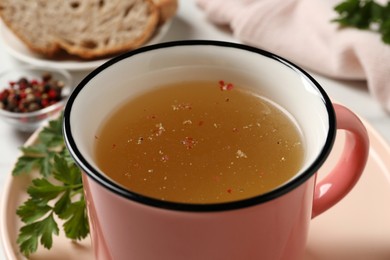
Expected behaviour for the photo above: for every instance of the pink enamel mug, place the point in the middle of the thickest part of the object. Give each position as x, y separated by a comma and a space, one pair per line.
274, 225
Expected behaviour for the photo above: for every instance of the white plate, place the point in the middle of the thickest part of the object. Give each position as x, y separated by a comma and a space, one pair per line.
16, 48
356, 228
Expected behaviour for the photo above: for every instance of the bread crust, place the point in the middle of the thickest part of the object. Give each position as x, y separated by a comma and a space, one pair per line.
58, 40
167, 9
50, 52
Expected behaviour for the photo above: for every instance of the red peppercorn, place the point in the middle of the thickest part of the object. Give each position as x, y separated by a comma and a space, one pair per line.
34, 82
44, 102
23, 94
52, 94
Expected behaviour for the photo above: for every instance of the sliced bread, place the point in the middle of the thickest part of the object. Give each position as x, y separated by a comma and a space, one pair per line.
86, 28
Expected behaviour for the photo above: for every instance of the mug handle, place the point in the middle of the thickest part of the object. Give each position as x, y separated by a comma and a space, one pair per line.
350, 166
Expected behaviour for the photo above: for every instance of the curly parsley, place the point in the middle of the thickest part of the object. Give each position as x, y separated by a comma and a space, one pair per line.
56, 194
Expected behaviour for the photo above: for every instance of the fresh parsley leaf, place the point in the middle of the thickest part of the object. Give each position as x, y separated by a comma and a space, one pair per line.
37, 150
41, 231
66, 172
32, 210
39, 156
58, 192
354, 13
385, 30
66, 155
76, 224
51, 136
74, 213
366, 15
25, 164
43, 190
62, 204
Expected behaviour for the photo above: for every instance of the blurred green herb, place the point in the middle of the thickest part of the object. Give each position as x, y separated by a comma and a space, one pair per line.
365, 14
56, 194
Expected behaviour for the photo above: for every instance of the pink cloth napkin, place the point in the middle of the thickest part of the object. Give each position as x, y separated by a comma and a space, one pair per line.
302, 31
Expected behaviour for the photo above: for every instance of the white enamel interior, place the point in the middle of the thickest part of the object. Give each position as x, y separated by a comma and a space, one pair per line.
266, 76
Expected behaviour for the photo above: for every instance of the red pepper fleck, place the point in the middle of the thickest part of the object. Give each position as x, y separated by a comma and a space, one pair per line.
200, 123
216, 178
151, 117
229, 191
113, 146
225, 86
189, 142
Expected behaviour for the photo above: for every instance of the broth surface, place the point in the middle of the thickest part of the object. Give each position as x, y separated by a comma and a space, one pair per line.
199, 142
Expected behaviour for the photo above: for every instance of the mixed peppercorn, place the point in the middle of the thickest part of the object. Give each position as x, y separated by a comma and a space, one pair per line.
25, 95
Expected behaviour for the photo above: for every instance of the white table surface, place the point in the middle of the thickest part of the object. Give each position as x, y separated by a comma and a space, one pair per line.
191, 24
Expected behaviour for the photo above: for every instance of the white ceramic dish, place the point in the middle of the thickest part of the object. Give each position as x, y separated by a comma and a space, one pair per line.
357, 228
16, 48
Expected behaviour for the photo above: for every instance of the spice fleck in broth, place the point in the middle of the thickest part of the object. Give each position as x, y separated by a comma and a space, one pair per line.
199, 142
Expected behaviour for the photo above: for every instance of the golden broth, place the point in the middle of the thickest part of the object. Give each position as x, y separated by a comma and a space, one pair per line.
199, 142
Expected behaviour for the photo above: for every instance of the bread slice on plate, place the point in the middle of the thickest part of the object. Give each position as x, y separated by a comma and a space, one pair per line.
85, 28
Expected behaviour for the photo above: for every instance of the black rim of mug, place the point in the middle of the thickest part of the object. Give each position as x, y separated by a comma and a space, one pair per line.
281, 190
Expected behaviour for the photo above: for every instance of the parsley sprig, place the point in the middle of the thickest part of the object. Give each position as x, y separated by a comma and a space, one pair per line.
365, 14
56, 195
